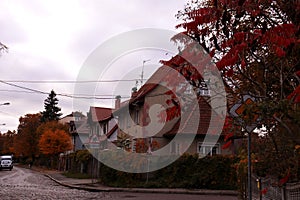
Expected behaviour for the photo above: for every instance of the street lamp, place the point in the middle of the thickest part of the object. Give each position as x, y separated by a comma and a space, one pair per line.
5, 104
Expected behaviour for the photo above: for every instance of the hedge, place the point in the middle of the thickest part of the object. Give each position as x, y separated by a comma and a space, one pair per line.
189, 171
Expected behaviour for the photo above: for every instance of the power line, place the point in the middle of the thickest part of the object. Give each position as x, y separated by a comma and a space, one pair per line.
72, 81
24, 88
75, 94
17, 91
60, 94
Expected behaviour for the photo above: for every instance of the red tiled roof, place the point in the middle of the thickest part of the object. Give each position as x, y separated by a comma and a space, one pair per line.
74, 114
156, 78
100, 114
191, 121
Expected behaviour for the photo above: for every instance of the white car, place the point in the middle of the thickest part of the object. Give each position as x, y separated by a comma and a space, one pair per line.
6, 162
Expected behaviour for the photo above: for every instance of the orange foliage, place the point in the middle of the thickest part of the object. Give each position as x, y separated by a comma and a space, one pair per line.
143, 147
52, 125
26, 140
54, 142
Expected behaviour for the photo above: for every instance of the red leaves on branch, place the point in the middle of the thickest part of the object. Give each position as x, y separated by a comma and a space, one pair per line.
200, 16
229, 59
264, 191
279, 37
228, 131
295, 95
229, 72
284, 179
228, 136
243, 63
237, 29
169, 114
212, 52
172, 112
227, 145
240, 36
279, 52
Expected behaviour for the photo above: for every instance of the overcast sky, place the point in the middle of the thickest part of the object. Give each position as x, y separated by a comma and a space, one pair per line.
50, 41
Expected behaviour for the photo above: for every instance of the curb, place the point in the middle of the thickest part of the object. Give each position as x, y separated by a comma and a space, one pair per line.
147, 190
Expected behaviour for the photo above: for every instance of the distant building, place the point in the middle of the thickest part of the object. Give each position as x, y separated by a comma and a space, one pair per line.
78, 129
103, 128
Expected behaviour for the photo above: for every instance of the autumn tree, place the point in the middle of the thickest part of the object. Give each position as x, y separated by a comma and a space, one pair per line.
26, 141
55, 142
52, 143
255, 45
52, 126
52, 111
6, 142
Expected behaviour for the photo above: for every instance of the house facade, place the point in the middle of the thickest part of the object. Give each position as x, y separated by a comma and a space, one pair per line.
78, 128
102, 129
149, 123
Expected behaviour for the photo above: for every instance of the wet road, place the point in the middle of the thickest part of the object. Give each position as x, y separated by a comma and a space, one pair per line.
26, 184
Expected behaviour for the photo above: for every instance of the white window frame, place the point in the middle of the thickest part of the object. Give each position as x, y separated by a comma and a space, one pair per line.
207, 148
175, 148
188, 88
204, 92
133, 146
105, 128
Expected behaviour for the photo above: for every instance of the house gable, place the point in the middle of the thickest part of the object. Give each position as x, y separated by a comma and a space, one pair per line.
151, 99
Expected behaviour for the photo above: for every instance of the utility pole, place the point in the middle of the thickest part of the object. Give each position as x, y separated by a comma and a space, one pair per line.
249, 166
142, 75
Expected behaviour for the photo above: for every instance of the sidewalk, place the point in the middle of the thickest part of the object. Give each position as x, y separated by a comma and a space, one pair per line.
91, 185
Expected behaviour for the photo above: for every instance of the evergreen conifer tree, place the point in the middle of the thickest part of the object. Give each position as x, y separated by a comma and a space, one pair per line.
52, 111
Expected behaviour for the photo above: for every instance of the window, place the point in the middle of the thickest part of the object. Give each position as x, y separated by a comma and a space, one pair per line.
105, 127
128, 121
208, 149
97, 130
204, 92
188, 89
133, 145
175, 148
136, 117
121, 122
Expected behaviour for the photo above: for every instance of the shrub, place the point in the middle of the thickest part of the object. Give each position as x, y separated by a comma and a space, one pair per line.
189, 171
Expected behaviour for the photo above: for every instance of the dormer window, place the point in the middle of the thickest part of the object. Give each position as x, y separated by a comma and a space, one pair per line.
204, 92
188, 89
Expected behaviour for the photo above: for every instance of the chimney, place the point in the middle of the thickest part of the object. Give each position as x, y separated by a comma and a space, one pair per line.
117, 102
133, 92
